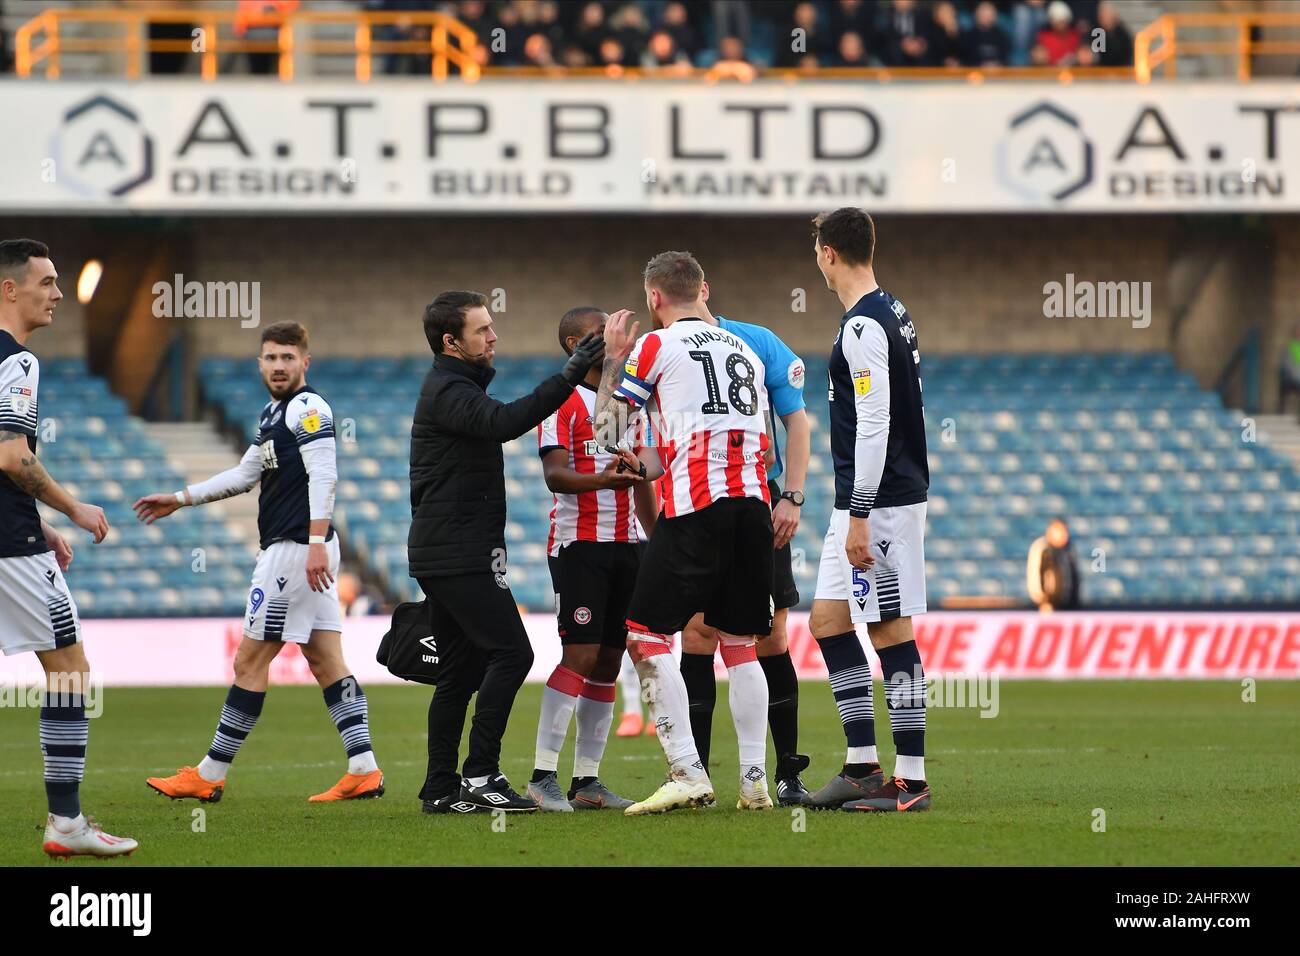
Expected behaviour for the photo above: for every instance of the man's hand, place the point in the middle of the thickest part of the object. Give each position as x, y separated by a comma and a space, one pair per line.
59, 545
588, 352
619, 337
785, 522
611, 478
858, 544
318, 568
152, 507
90, 518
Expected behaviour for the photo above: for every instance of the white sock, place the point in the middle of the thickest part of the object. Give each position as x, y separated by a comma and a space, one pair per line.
670, 710
68, 824
213, 770
477, 781
909, 768
559, 697
594, 717
629, 686
363, 763
862, 755
747, 694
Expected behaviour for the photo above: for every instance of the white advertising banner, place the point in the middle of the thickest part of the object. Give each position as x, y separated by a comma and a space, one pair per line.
200, 651
648, 147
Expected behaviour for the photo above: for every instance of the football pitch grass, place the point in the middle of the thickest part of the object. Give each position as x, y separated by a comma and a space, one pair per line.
1185, 772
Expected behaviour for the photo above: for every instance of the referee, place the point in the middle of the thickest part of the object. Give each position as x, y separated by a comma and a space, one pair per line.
456, 545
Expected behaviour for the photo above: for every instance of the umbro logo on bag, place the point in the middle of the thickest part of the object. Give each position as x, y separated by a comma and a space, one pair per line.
884, 547
282, 582
432, 645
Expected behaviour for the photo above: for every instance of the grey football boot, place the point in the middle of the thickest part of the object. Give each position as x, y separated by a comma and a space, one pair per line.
548, 796
597, 796
844, 788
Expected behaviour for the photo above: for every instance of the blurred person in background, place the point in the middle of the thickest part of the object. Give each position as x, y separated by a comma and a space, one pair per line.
677, 21
1289, 375
985, 43
852, 51
851, 16
731, 19
1058, 43
537, 51
905, 34
630, 27
591, 30
814, 41
356, 599
1027, 18
945, 36
662, 53
1117, 41
1052, 573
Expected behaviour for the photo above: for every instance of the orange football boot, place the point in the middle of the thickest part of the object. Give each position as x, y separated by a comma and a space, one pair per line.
186, 782
353, 786
630, 725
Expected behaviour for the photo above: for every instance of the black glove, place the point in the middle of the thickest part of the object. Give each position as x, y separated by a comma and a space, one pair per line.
589, 351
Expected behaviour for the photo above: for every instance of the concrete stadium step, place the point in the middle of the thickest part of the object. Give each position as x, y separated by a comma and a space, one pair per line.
198, 451
1281, 432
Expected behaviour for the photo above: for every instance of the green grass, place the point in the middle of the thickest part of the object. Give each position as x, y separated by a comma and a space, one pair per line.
1186, 773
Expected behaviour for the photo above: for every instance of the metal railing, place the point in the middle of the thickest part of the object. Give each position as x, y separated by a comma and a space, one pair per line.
1165, 39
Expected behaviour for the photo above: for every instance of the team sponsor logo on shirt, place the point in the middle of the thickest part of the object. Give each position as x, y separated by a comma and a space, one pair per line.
589, 448
861, 381
794, 375
19, 390
310, 421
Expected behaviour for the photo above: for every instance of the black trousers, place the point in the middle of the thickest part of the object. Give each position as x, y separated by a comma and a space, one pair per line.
486, 650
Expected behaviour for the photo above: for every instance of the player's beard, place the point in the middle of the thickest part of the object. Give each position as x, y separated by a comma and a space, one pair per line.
279, 390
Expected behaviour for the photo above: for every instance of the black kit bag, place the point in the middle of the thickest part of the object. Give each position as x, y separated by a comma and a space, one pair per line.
409, 650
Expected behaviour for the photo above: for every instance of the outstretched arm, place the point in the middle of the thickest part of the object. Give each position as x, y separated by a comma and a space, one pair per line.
233, 481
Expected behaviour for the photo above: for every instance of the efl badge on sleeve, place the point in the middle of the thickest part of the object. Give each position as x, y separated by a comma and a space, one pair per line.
861, 381
310, 421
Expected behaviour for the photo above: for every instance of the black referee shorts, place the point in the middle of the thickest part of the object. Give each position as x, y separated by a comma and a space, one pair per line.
593, 582
785, 593
718, 560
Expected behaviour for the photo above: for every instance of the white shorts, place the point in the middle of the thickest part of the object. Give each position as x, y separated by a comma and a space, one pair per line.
281, 604
37, 612
895, 584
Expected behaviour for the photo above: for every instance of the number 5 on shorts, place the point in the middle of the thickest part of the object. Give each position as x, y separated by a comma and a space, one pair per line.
861, 584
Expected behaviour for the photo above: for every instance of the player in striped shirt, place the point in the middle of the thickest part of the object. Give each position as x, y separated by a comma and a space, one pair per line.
592, 551
712, 549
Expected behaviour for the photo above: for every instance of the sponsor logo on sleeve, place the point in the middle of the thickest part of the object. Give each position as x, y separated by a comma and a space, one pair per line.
310, 421
795, 374
861, 381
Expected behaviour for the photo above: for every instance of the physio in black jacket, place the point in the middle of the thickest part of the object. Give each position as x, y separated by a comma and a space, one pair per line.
457, 546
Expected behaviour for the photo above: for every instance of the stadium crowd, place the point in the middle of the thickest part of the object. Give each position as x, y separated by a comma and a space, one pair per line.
800, 34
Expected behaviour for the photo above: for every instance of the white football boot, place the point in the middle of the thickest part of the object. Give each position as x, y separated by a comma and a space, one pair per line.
753, 790
84, 838
677, 793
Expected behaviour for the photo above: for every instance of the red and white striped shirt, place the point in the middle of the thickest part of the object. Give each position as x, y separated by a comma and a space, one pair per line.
604, 515
708, 407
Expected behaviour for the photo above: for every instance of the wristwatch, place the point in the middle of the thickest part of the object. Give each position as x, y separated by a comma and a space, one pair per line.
794, 497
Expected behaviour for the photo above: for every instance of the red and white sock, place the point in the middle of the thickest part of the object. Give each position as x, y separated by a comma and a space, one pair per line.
559, 698
665, 693
595, 714
747, 694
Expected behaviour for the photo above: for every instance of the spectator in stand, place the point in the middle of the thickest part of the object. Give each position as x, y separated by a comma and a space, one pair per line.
1027, 18
543, 17
1115, 41
537, 51
731, 19
730, 60
591, 31
573, 57
1052, 573
677, 22
1058, 44
662, 53
945, 37
474, 14
611, 54
985, 44
812, 41
851, 16
628, 25
510, 50
852, 51
906, 34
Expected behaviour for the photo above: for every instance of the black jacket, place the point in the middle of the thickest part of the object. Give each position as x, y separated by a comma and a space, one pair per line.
458, 487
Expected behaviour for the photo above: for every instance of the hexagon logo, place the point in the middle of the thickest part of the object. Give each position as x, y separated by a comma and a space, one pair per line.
102, 150
1045, 155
